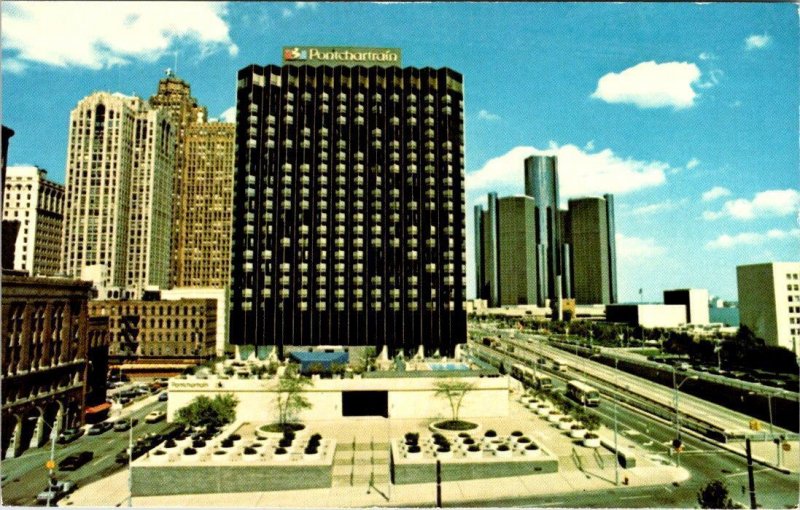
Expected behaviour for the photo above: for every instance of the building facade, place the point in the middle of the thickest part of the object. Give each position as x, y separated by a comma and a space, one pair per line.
202, 255
487, 257
349, 207
183, 329
44, 358
38, 204
769, 302
593, 251
695, 300
120, 162
647, 315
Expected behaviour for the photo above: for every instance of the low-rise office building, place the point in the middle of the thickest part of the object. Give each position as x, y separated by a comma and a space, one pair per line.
695, 301
647, 315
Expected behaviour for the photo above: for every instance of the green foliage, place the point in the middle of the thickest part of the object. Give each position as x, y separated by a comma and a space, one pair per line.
316, 368
205, 411
714, 495
454, 392
258, 370
590, 421
290, 400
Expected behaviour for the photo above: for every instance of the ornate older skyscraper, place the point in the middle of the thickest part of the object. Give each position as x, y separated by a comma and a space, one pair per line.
349, 205
120, 162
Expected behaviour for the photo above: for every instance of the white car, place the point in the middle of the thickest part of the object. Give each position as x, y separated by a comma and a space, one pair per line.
155, 416
56, 491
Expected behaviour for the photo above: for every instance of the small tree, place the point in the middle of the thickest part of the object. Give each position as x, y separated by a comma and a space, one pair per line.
454, 391
205, 411
290, 399
714, 495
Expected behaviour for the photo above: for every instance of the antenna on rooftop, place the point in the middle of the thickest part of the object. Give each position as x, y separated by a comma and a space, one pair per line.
176, 62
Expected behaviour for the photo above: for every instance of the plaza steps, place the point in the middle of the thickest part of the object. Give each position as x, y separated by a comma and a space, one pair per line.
355, 464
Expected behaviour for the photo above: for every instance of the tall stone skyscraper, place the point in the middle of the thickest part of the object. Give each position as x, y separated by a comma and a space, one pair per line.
202, 189
349, 204
120, 163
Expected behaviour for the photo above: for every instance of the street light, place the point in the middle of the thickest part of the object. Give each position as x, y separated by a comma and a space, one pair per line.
677, 444
616, 451
51, 464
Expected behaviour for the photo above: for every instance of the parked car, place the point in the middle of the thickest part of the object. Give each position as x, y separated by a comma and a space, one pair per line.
124, 424
163, 397
56, 491
155, 416
73, 462
69, 435
138, 451
99, 428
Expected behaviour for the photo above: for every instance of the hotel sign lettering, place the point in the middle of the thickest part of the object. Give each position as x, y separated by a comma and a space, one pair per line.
341, 55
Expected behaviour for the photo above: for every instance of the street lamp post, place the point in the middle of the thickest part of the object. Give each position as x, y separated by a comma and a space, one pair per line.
676, 396
52, 463
616, 451
130, 461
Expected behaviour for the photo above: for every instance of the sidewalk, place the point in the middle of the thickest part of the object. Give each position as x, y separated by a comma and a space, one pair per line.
597, 472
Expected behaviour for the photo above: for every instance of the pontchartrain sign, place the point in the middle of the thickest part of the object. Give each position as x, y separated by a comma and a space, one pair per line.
341, 55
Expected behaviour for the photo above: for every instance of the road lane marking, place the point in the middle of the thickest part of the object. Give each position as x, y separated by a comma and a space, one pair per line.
635, 497
101, 459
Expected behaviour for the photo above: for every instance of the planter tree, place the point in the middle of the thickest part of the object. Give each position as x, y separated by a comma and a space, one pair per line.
215, 412
290, 400
454, 392
714, 495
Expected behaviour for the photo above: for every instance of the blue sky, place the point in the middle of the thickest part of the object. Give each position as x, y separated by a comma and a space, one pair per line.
688, 113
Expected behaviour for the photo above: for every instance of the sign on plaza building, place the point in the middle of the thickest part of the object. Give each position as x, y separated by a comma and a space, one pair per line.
341, 55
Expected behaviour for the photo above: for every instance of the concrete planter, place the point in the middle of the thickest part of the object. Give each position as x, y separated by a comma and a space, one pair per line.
591, 442
565, 424
444, 455
219, 455
414, 455
473, 455
554, 418
543, 411
577, 433
531, 453
312, 456
159, 458
533, 406
503, 453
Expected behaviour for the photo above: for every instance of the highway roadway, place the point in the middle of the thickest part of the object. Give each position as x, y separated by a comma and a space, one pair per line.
26, 476
704, 461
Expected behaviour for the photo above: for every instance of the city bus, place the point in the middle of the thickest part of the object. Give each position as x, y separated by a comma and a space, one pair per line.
543, 382
523, 374
583, 393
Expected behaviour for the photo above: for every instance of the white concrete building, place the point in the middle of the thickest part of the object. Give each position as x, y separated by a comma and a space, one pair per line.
695, 300
647, 315
394, 397
38, 204
120, 162
769, 302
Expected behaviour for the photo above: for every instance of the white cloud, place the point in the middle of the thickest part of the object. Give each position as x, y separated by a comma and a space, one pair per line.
707, 55
487, 115
777, 202
580, 172
632, 249
228, 115
715, 193
751, 238
287, 13
13, 65
714, 76
647, 210
651, 85
756, 41
97, 35
692, 163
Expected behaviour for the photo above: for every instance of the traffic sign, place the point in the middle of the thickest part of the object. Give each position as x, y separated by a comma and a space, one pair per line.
755, 425
787, 447
50, 464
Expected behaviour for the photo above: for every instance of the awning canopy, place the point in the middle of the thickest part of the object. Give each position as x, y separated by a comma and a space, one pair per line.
324, 359
98, 408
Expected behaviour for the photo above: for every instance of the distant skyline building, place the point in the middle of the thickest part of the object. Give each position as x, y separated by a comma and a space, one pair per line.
349, 206
593, 251
695, 300
38, 204
769, 302
120, 163
541, 183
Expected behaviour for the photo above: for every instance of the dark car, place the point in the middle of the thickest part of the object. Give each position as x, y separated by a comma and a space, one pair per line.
69, 435
124, 424
99, 428
138, 451
73, 462
174, 431
163, 397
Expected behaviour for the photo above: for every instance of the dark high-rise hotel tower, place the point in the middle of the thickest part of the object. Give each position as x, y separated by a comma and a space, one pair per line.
349, 204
